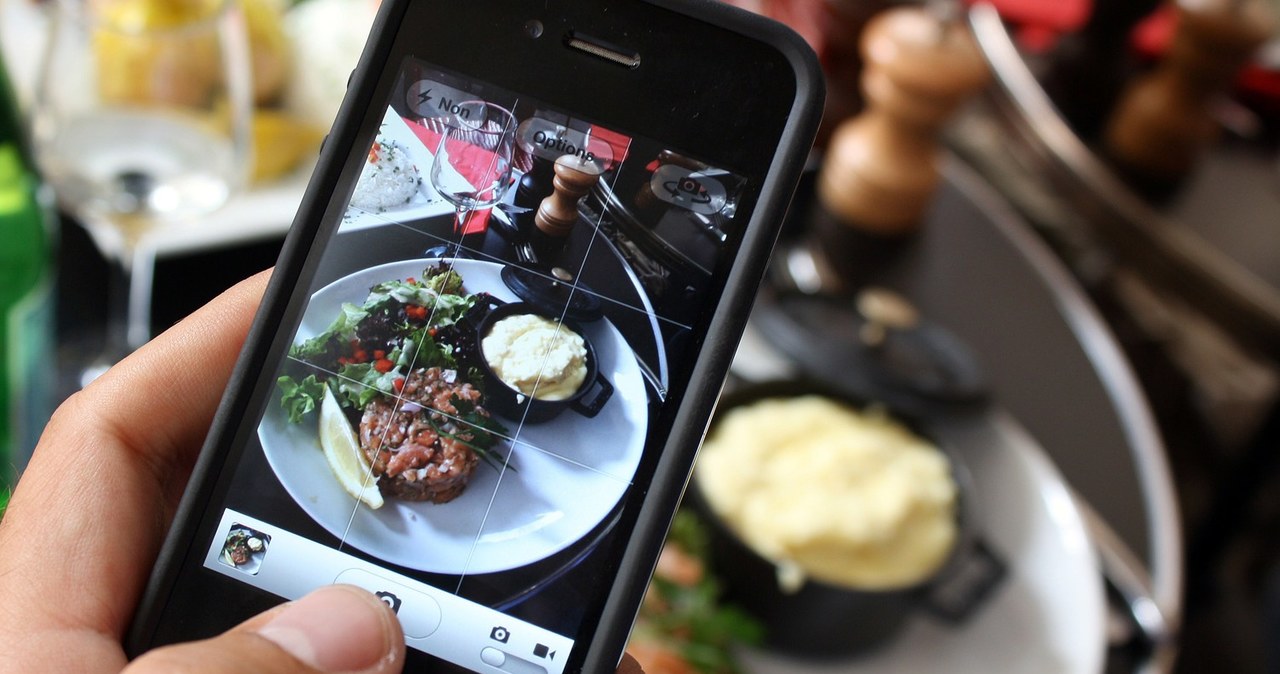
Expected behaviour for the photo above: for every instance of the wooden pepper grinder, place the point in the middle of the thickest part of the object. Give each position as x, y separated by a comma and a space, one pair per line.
881, 166
574, 177
1163, 120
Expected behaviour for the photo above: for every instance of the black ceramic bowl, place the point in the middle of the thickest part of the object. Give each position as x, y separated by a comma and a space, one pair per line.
821, 620
589, 399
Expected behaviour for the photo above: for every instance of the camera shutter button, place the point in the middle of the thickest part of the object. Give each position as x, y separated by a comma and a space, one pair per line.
419, 614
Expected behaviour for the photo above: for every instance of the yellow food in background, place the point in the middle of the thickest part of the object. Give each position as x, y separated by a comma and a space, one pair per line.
280, 143
849, 498
145, 55
282, 140
342, 451
132, 16
270, 54
153, 51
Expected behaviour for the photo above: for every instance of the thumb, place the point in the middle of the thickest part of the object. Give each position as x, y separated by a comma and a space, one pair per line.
339, 628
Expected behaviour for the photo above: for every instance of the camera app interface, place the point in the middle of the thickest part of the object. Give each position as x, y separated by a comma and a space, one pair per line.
491, 335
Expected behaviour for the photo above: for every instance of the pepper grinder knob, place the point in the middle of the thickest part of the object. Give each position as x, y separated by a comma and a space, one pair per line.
882, 165
884, 311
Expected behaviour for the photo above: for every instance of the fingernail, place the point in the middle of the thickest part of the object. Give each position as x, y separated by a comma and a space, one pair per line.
338, 628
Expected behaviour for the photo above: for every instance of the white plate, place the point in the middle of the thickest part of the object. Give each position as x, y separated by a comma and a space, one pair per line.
424, 204
570, 471
1048, 617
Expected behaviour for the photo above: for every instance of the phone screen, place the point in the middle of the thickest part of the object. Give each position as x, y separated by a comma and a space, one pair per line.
498, 331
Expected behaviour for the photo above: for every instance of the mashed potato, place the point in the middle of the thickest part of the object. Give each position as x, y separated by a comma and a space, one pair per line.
848, 498
528, 351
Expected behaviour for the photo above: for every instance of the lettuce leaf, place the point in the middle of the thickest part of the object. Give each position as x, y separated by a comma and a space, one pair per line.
340, 332
356, 384
359, 383
300, 398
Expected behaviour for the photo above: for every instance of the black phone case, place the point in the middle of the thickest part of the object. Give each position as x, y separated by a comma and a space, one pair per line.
664, 493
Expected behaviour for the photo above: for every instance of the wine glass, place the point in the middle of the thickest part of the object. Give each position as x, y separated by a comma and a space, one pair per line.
472, 168
141, 119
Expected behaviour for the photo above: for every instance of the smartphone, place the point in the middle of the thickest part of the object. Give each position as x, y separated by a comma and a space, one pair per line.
499, 325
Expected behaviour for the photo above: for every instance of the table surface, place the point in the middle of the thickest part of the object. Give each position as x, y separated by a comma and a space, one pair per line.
1231, 201
1051, 359
1221, 267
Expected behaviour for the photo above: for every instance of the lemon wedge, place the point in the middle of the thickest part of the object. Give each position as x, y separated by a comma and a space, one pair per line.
342, 450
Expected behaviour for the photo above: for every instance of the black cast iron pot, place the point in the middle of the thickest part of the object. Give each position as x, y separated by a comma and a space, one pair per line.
824, 621
588, 400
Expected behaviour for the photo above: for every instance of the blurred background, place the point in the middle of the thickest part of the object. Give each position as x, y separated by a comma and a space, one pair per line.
1083, 196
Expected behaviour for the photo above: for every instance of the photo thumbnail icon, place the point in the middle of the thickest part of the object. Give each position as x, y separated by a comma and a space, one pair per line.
244, 549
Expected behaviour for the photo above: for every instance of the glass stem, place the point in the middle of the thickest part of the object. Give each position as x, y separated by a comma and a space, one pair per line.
116, 336
463, 212
115, 330
138, 286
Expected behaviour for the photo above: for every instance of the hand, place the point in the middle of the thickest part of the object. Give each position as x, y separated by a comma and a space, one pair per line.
87, 519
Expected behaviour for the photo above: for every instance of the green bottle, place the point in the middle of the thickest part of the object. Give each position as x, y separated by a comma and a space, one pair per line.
27, 346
